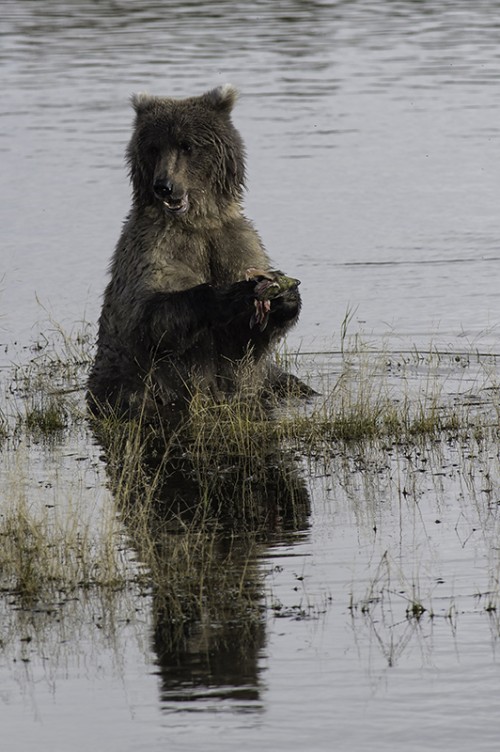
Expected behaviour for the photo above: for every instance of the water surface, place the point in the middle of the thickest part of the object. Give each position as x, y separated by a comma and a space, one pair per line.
372, 138
370, 129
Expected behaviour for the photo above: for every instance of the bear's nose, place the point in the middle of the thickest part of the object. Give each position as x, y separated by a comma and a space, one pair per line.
163, 188
174, 197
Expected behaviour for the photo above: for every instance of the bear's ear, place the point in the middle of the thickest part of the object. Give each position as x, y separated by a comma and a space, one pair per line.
223, 98
142, 102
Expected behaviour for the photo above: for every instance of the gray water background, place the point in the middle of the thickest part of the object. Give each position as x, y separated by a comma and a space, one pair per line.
372, 138
372, 132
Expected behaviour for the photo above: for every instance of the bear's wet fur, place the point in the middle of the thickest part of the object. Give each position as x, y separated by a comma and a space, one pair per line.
177, 311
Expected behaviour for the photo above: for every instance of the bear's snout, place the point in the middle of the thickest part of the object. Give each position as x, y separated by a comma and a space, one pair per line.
174, 197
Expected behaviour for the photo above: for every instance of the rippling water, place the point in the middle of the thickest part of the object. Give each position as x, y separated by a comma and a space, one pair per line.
372, 133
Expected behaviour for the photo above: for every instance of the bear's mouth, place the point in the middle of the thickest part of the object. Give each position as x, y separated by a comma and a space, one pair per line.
177, 205
173, 197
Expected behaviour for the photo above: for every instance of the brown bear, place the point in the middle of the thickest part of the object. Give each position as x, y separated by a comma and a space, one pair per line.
190, 296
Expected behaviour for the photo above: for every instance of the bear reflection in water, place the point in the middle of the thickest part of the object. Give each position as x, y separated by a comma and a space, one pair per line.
191, 295
202, 526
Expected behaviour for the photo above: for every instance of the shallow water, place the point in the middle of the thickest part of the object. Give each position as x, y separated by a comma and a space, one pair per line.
371, 131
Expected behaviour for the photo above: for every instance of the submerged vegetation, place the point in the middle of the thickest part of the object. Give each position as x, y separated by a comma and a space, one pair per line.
189, 508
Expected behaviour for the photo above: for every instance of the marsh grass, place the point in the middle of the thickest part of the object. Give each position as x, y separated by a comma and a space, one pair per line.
371, 394
191, 505
368, 398
392, 609
4, 426
43, 394
46, 416
48, 553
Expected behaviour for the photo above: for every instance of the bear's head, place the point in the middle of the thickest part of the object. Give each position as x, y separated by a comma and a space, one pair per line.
185, 155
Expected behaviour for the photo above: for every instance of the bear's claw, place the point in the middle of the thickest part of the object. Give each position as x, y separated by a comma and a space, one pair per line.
260, 316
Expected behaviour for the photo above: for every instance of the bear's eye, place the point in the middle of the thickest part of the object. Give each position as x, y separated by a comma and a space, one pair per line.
186, 147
